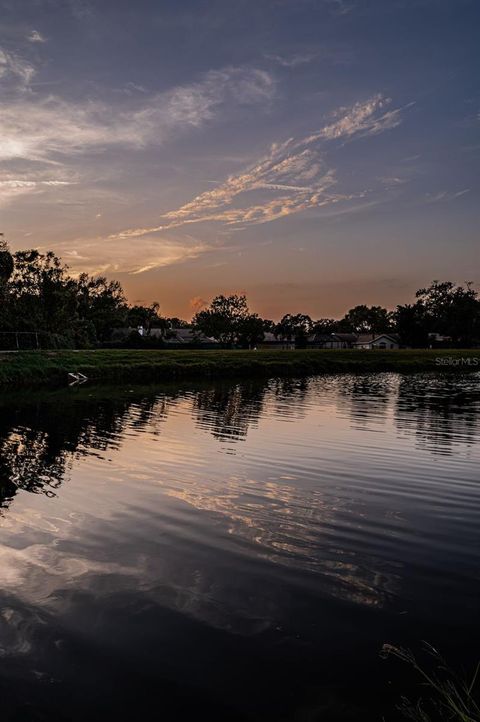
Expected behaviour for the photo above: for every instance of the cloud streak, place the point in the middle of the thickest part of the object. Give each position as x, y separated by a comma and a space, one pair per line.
292, 61
294, 173
155, 253
14, 184
363, 118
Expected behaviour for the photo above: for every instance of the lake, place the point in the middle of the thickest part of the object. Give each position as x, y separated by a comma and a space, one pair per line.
239, 551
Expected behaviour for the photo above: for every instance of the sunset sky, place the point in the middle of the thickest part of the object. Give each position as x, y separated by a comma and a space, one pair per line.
314, 154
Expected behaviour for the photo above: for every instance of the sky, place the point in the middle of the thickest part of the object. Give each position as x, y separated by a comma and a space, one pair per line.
313, 154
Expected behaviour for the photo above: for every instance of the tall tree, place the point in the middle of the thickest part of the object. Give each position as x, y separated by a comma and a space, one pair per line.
41, 293
6, 270
367, 319
147, 317
222, 319
102, 303
451, 310
412, 325
251, 330
296, 327
6, 261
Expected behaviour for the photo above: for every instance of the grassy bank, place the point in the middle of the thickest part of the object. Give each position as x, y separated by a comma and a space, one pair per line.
110, 366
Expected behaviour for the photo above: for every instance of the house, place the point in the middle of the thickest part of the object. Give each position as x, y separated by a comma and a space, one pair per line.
345, 340
332, 340
178, 337
272, 341
382, 341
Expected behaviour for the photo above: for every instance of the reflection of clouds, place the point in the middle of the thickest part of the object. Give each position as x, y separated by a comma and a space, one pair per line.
310, 532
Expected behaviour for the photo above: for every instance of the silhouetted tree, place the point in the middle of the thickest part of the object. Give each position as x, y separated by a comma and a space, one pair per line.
221, 320
250, 330
6, 270
367, 319
101, 303
41, 294
146, 316
325, 325
451, 310
175, 322
412, 325
6, 262
295, 327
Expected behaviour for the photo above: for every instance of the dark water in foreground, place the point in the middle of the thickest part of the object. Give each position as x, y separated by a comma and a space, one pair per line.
239, 552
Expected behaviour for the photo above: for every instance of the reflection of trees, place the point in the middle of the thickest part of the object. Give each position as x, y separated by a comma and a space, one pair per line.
37, 440
289, 396
366, 397
228, 411
439, 410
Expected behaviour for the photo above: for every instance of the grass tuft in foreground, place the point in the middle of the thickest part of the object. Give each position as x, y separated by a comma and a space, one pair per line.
447, 696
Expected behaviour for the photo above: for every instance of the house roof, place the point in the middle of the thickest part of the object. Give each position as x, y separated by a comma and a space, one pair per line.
322, 337
187, 335
345, 336
325, 337
365, 338
371, 338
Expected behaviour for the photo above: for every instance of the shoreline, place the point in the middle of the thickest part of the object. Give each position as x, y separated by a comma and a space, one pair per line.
29, 369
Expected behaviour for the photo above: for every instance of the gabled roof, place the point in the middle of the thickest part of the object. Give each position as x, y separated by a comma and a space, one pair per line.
346, 336
187, 335
371, 338
322, 337
326, 337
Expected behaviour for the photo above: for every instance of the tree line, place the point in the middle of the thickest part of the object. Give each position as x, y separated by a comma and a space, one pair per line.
442, 310
38, 294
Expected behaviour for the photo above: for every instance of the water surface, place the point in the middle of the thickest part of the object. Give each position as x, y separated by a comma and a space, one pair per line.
240, 550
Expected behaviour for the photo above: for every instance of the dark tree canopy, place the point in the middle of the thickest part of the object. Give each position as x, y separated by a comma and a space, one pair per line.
295, 327
367, 319
222, 319
41, 296
251, 330
6, 262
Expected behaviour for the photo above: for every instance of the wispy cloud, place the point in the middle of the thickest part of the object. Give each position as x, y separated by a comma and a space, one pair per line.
15, 71
14, 184
445, 195
365, 118
155, 253
341, 7
291, 178
291, 61
36, 37
51, 128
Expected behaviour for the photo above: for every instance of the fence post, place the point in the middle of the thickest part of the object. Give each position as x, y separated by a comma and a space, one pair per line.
16, 339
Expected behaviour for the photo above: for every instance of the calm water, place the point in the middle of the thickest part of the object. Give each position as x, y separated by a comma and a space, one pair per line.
239, 551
